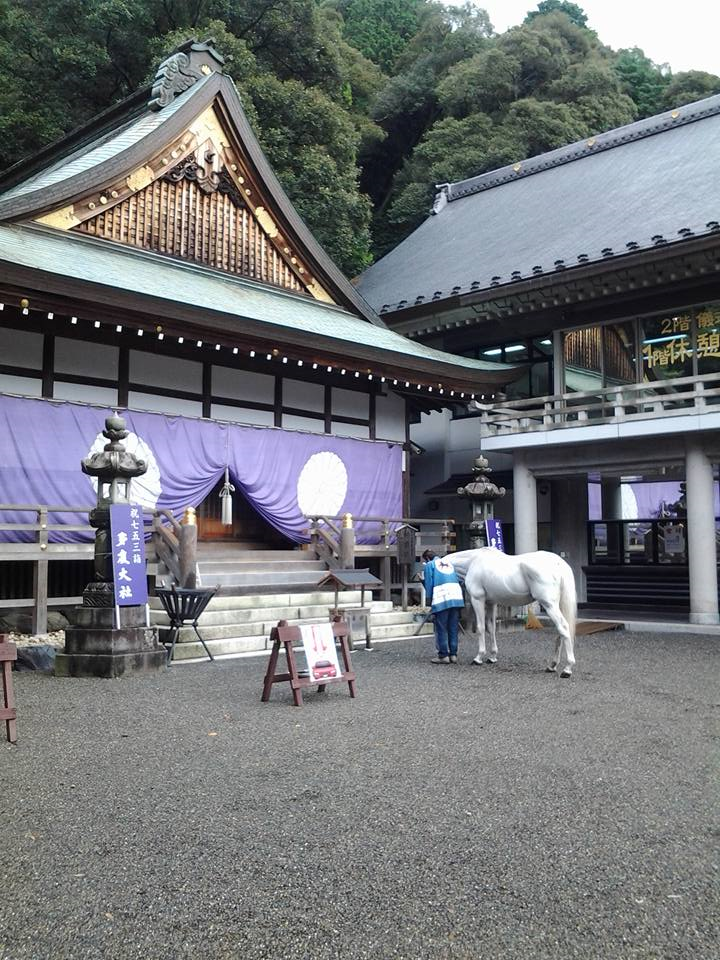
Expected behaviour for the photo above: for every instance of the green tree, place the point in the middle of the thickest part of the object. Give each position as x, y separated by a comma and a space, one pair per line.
642, 80
571, 10
690, 86
380, 29
451, 150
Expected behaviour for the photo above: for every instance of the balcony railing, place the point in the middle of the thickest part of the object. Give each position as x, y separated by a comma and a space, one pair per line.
630, 401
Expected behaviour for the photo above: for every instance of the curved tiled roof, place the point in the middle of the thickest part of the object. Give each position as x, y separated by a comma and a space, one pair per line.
646, 184
168, 285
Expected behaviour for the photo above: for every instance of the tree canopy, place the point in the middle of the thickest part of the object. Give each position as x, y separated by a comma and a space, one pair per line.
362, 106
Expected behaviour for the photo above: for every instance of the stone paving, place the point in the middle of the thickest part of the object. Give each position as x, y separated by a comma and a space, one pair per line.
447, 812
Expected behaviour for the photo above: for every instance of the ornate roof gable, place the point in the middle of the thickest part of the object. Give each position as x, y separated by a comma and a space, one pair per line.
182, 176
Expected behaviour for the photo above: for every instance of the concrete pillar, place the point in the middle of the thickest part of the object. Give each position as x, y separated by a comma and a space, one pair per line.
611, 494
569, 506
611, 500
702, 559
525, 506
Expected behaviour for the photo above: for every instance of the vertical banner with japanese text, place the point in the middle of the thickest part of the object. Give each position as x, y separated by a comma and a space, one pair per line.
128, 554
493, 528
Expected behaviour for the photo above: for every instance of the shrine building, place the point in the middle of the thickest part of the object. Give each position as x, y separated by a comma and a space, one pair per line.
150, 262
596, 267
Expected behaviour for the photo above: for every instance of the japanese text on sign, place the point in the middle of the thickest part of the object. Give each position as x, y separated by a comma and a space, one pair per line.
128, 554
493, 528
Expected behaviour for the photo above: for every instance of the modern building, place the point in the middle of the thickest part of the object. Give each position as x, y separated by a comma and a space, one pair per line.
597, 268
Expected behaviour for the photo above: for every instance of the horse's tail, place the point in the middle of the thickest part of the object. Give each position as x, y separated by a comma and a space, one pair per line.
568, 597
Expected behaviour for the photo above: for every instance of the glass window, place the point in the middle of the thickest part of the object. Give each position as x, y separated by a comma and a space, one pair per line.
543, 347
582, 350
667, 347
707, 321
618, 353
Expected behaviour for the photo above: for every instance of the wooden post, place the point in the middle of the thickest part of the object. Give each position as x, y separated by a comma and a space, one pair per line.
40, 577
8, 713
387, 577
188, 549
445, 536
347, 543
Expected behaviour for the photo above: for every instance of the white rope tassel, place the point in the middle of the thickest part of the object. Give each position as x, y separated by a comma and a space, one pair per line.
226, 499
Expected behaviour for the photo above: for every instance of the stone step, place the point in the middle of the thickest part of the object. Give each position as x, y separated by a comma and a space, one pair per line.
259, 631
189, 650
216, 616
209, 568
221, 631
279, 599
233, 578
208, 552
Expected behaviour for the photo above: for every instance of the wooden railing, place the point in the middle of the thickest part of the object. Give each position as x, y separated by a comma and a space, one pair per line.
327, 536
175, 546
631, 401
172, 544
40, 550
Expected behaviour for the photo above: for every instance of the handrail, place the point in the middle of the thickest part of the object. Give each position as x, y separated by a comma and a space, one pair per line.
657, 398
357, 518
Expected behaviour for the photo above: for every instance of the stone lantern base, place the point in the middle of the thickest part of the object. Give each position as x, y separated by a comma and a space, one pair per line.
94, 647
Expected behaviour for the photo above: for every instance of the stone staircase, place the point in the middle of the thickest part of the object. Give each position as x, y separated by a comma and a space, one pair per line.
259, 571
242, 624
260, 587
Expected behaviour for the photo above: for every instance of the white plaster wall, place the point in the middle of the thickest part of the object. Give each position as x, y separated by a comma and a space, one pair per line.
107, 396
291, 422
350, 430
158, 371
350, 403
243, 385
25, 386
261, 418
169, 405
429, 468
86, 359
305, 396
390, 417
21, 348
463, 443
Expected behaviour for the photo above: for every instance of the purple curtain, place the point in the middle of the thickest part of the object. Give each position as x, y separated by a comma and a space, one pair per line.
283, 474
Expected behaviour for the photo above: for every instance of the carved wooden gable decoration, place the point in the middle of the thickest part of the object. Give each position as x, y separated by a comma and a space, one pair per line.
198, 201
177, 171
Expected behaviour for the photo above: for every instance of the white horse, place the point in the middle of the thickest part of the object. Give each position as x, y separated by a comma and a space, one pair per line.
492, 577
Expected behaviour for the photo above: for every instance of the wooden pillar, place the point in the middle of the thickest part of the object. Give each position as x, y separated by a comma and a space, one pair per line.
40, 577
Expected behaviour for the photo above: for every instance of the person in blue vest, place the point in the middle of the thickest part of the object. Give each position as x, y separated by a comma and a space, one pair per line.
444, 594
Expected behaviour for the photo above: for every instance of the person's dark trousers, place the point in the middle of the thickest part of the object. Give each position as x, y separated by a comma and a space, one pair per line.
446, 631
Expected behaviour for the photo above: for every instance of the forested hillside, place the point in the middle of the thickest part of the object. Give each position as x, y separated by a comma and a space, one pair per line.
361, 105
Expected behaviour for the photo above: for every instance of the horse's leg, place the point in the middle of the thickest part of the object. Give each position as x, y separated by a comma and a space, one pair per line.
552, 665
490, 625
552, 608
478, 605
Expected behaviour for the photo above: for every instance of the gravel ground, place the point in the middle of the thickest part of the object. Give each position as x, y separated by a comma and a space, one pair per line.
447, 812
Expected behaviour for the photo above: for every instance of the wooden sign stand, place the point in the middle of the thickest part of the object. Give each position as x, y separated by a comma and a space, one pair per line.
8, 713
284, 636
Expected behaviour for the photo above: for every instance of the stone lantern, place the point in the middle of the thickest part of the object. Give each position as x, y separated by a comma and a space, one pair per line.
114, 468
482, 492
97, 644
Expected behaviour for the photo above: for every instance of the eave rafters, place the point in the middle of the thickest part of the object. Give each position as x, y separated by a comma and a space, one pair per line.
261, 353
570, 289
207, 144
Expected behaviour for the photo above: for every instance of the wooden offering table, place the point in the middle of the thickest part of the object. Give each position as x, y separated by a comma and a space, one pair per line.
285, 636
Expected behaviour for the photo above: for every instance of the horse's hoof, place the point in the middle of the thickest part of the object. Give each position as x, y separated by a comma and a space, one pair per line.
491, 660
565, 674
550, 669
478, 661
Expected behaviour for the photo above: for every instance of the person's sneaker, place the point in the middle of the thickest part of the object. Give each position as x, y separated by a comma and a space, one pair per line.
440, 660
453, 659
